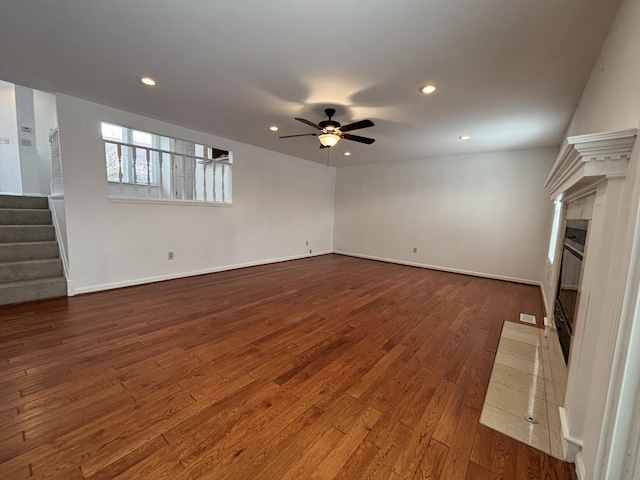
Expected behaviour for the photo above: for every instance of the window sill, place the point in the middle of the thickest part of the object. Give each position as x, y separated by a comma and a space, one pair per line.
166, 201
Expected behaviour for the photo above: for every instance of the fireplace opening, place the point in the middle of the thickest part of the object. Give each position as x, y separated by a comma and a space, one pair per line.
569, 281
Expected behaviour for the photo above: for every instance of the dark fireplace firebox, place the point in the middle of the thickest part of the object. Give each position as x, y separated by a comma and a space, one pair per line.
569, 281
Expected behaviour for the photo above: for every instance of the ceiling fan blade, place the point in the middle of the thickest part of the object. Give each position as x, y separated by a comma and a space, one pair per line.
357, 138
357, 125
311, 124
300, 135
325, 146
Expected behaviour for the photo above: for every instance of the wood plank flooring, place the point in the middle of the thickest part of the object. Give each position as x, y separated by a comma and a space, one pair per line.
321, 368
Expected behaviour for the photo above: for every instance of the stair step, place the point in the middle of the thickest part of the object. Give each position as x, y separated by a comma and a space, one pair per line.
17, 252
24, 216
24, 291
30, 270
26, 233
17, 201
30, 267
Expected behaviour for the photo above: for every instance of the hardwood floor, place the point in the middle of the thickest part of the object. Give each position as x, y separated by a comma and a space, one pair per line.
327, 367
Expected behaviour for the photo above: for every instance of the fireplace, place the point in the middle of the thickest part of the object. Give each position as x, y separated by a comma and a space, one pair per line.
569, 281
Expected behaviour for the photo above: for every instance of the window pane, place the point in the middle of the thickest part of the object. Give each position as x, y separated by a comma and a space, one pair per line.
142, 138
112, 132
111, 151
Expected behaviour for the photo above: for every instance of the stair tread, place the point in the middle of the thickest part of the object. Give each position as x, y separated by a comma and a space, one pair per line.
28, 225
42, 242
33, 261
35, 281
25, 209
21, 201
31, 290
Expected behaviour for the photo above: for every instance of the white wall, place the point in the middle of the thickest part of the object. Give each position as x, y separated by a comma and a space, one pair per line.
610, 102
29, 168
10, 180
44, 105
280, 202
485, 214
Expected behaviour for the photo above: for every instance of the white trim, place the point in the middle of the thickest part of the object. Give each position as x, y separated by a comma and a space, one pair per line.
571, 446
585, 160
173, 276
619, 447
443, 269
166, 201
544, 302
63, 254
581, 470
580, 193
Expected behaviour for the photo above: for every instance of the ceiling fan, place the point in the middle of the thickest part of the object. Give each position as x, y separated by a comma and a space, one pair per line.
331, 131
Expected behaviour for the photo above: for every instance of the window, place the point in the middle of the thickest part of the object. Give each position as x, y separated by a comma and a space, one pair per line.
554, 230
145, 165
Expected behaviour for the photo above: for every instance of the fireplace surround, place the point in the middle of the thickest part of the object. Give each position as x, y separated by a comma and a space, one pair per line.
592, 166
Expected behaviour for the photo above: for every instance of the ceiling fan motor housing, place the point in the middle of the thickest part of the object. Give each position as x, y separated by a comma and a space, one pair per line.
329, 125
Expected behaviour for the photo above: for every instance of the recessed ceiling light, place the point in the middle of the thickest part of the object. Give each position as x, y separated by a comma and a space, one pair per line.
347, 153
148, 81
427, 89
273, 128
464, 138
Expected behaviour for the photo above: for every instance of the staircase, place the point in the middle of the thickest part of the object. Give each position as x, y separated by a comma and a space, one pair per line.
30, 265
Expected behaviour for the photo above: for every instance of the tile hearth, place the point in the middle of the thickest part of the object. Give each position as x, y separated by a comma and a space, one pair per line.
528, 378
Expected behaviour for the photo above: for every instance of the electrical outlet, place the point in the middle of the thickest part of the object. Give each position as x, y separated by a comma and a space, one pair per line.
415, 249
170, 255
307, 243
309, 250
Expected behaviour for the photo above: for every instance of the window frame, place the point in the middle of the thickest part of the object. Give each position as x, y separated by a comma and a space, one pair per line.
212, 176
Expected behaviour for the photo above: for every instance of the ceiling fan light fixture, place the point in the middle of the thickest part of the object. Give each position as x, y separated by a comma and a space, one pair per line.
328, 139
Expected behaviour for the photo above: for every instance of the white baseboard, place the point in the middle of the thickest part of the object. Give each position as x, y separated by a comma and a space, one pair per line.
571, 446
444, 269
172, 276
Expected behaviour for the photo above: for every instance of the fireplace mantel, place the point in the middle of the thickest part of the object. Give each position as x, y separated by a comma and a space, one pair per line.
585, 160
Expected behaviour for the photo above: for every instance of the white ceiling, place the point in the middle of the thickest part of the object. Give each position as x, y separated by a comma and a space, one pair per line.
509, 72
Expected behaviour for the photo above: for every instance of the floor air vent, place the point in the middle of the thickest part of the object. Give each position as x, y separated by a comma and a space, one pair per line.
526, 318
